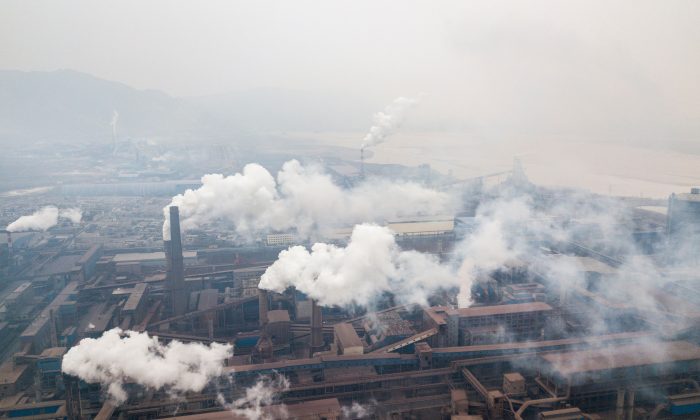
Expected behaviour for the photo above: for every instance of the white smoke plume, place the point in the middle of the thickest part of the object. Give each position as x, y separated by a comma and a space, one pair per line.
44, 218
302, 197
388, 121
257, 403
370, 265
75, 215
113, 123
357, 410
120, 357
490, 246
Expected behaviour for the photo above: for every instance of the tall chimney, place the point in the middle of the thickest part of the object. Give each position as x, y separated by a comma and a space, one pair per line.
316, 327
176, 268
262, 305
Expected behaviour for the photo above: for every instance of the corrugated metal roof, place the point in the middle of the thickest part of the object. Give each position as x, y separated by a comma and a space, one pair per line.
500, 309
148, 256
623, 356
347, 335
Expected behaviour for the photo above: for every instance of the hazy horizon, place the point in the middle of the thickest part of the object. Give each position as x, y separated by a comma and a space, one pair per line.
598, 95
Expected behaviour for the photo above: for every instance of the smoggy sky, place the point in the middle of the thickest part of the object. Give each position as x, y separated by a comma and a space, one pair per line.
615, 69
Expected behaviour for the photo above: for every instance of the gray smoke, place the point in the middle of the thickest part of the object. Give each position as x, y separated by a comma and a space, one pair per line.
303, 198
388, 121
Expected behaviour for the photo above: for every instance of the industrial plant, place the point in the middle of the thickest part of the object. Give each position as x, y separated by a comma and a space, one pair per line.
572, 319
382, 210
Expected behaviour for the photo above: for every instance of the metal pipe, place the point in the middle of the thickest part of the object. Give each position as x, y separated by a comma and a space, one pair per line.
521, 410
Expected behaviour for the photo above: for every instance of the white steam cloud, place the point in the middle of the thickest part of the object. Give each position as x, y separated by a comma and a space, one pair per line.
358, 411
120, 357
370, 265
45, 218
257, 402
75, 215
388, 121
302, 197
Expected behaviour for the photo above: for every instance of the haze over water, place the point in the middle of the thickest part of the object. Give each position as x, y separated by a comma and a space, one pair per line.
600, 167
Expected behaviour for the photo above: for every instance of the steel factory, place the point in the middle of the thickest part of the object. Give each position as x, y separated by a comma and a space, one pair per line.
545, 336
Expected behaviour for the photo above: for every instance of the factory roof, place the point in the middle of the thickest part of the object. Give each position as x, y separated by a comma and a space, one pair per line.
622, 356
147, 256
135, 297
418, 218
208, 298
687, 197
347, 336
59, 265
422, 227
524, 345
41, 320
19, 290
655, 209
278, 315
439, 319
98, 318
515, 308
282, 364
328, 407
54, 352
89, 254
10, 372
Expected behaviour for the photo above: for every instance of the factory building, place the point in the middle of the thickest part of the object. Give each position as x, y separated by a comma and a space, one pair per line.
137, 263
14, 377
134, 308
59, 314
683, 225
346, 339
494, 360
623, 377
488, 324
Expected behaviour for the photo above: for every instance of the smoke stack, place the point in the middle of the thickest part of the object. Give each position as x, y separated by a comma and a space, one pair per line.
262, 305
176, 269
316, 327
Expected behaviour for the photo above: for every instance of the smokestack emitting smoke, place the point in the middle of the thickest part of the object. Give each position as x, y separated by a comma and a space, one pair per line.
44, 219
120, 357
175, 265
113, 124
303, 198
388, 121
372, 264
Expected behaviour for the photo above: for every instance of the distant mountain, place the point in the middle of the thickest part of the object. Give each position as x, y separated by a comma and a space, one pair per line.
69, 105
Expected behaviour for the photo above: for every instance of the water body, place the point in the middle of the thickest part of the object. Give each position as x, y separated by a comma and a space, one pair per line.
600, 167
